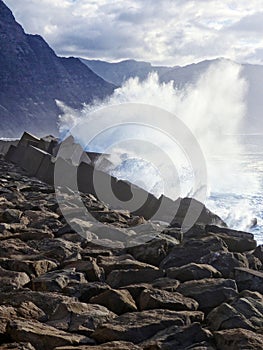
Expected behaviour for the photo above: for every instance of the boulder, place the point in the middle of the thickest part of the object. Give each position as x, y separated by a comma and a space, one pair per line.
56, 281
89, 267
238, 338
42, 336
192, 251
161, 299
258, 252
10, 280
209, 293
115, 345
176, 337
122, 262
118, 301
249, 279
153, 252
45, 301
92, 289
79, 317
244, 311
236, 241
192, 271
225, 262
120, 278
17, 346
139, 326
11, 216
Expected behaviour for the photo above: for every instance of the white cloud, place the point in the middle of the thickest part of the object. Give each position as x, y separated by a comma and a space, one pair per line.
169, 31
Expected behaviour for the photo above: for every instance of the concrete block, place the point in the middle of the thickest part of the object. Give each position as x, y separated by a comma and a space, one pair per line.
28, 139
45, 171
31, 158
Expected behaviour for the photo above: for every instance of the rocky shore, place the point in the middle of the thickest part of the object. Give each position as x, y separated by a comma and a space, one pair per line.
198, 290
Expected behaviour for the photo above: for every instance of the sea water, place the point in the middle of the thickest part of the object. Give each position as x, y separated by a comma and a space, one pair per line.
244, 203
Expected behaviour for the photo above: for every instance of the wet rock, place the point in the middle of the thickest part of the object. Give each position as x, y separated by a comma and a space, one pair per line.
249, 279
192, 251
238, 338
42, 336
120, 278
209, 293
177, 338
56, 281
118, 301
161, 299
79, 317
193, 271
244, 311
10, 280
139, 326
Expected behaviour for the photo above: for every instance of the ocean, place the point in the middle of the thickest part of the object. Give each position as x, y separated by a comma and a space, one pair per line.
242, 201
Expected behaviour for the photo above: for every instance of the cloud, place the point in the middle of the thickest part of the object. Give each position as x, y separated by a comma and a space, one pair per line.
167, 32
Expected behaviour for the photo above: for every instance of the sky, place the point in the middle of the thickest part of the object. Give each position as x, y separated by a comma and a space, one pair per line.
163, 32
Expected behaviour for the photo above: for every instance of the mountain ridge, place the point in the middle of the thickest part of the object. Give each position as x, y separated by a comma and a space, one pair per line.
32, 77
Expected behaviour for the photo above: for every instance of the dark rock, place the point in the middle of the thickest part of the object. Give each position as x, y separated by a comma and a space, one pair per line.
90, 269
122, 262
244, 311
192, 271
45, 301
236, 241
11, 216
10, 280
209, 292
17, 346
161, 299
258, 252
225, 262
139, 326
192, 251
87, 291
42, 336
177, 338
79, 317
238, 338
118, 301
120, 278
56, 281
152, 252
115, 345
249, 279
166, 283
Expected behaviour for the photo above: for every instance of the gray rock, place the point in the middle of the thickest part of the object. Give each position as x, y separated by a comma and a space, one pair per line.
249, 279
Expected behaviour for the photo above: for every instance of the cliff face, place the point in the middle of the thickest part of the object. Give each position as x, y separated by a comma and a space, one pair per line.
32, 77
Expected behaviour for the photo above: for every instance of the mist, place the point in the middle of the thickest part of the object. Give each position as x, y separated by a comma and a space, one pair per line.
212, 108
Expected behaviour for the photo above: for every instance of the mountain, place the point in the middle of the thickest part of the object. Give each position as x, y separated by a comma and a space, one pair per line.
118, 72
32, 76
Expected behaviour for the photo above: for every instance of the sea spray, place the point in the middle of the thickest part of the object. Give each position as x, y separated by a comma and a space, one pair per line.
212, 108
